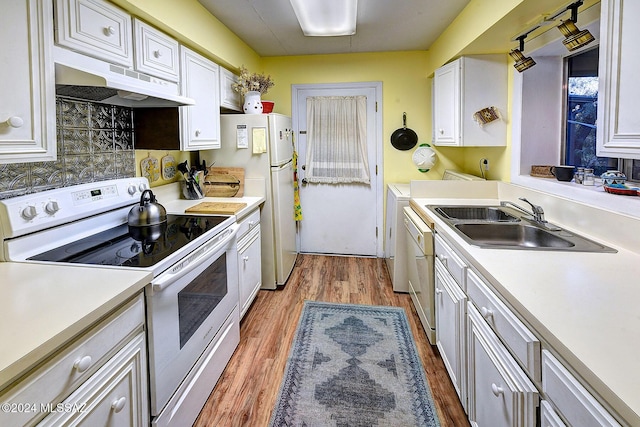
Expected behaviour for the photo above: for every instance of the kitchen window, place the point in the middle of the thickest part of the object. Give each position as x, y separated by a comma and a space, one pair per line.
540, 111
581, 97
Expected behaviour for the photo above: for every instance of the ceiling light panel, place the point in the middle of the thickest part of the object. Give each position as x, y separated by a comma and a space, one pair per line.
322, 18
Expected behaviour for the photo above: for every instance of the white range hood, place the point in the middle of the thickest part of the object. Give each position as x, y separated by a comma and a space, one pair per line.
83, 77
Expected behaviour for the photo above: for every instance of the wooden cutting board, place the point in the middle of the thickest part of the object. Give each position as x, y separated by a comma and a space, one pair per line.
224, 182
224, 208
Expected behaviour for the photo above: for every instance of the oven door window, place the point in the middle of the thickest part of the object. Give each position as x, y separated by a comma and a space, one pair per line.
200, 297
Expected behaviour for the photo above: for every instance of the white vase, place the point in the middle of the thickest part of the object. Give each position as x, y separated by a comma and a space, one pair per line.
252, 103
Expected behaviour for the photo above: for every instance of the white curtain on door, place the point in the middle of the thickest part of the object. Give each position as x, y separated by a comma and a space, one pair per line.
337, 140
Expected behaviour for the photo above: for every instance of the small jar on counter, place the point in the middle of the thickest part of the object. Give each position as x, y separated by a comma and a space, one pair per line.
578, 177
589, 178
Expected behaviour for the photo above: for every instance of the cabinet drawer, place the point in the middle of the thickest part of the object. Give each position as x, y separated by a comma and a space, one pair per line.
500, 393
60, 376
522, 343
96, 28
248, 223
116, 395
453, 263
571, 399
155, 52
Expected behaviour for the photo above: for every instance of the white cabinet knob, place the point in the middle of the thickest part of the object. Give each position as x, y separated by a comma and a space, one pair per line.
82, 364
438, 291
252, 224
245, 258
157, 54
497, 391
15, 122
198, 132
441, 131
486, 312
118, 404
109, 31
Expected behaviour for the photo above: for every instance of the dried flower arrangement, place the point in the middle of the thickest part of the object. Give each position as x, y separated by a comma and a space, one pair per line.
252, 81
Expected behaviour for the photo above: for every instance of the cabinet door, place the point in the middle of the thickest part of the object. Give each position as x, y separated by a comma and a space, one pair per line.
446, 104
571, 399
115, 396
499, 392
156, 53
548, 417
229, 98
27, 109
200, 123
618, 120
96, 28
250, 268
450, 328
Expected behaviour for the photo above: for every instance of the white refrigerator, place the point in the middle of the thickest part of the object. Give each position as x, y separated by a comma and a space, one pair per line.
262, 145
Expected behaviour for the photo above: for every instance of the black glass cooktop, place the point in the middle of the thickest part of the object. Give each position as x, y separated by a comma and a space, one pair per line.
134, 246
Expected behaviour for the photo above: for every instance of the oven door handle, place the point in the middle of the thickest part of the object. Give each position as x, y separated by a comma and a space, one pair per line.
195, 259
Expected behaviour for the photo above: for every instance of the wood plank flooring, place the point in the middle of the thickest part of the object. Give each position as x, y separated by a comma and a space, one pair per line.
246, 393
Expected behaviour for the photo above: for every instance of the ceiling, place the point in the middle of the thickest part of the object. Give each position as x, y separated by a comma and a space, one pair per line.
271, 29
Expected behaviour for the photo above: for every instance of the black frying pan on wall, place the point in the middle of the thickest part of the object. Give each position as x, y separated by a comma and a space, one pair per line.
404, 138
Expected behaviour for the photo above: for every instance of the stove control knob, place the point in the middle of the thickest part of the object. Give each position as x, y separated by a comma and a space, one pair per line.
142, 187
29, 212
132, 189
51, 207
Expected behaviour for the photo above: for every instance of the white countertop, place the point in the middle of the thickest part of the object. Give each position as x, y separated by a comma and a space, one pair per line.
170, 197
43, 306
585, 307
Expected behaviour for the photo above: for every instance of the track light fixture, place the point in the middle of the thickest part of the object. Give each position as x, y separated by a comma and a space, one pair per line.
574, 38
522, 63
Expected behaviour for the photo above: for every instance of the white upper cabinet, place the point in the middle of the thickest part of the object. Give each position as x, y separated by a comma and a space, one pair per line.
468, 86
28, 106
156, 53
618, 119
96, 28
229, 98
200, 123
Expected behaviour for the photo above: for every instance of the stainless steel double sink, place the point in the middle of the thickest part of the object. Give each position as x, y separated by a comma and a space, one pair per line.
501, 227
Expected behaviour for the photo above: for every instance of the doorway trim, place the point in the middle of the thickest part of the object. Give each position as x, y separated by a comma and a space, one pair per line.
379, 182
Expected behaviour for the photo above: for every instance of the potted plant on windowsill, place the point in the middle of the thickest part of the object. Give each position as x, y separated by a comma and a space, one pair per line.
252, 86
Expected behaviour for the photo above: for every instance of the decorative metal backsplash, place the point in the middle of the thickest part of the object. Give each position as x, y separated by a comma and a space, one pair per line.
95, 143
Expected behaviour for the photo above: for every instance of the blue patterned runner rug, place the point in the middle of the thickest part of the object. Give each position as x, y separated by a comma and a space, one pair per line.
356, 366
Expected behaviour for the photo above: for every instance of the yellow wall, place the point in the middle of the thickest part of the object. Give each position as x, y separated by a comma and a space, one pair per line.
405, 88
484, 26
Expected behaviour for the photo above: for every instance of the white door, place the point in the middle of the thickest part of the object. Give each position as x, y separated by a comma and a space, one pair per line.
341, 218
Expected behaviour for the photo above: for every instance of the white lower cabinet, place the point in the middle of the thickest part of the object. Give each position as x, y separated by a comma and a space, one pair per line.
496, 363
499, 391
574, 403
99, 379
115, 395
249, 260
450, 328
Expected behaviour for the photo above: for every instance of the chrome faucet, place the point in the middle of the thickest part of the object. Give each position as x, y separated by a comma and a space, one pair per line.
537, 213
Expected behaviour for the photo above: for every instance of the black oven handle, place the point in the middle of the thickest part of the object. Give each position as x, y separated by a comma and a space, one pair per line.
195, 259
